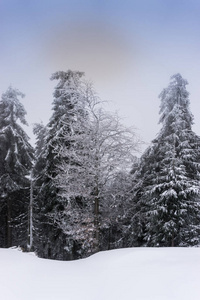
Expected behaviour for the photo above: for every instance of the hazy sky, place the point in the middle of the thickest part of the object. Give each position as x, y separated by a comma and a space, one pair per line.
128, 48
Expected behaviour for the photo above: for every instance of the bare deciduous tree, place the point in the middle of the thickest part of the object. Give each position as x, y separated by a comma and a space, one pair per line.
100, 147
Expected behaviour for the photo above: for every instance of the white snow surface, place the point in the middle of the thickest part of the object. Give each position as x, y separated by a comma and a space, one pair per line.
135, 273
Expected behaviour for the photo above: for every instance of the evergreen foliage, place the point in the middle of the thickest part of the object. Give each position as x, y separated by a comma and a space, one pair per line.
67, 96
166, 196
16, 158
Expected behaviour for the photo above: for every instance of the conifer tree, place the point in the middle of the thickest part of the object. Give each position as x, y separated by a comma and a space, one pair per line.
16, 157
166, 196
66, 108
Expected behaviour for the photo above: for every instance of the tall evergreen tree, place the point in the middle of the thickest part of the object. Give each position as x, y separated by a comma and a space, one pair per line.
66, 110
16, 157
166, 196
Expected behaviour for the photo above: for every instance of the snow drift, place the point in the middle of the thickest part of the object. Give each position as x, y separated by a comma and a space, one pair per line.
136, 273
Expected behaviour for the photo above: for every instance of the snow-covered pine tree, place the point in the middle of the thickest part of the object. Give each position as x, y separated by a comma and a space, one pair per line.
16, 157
66, 111
76, 219
166, 202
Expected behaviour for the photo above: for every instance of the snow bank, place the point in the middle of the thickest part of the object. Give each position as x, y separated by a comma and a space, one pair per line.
136, 274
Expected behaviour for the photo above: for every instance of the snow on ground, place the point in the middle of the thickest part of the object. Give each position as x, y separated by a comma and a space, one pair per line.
135, 273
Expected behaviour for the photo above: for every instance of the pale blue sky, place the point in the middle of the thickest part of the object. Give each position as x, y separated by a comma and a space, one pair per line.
128, 48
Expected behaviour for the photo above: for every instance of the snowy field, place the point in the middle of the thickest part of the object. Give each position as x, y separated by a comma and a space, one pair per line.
136, 274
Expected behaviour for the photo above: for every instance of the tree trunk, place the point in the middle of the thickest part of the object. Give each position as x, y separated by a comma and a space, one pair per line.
9, 226
109, 237
172, 242
30, 245
96, 222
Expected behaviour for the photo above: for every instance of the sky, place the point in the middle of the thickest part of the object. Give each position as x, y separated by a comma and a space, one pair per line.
129, 49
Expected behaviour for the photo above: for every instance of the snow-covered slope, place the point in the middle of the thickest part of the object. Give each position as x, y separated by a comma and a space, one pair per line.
136, 274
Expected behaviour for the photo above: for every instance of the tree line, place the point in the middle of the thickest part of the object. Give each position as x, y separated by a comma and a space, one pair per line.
82, 189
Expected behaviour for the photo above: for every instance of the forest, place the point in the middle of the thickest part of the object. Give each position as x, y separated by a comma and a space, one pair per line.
82, 189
